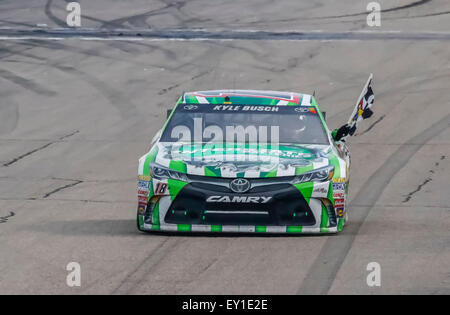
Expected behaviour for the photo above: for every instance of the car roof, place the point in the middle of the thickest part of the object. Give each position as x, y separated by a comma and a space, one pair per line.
248, 97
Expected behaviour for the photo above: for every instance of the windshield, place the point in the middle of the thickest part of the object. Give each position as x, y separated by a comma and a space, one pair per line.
206, 123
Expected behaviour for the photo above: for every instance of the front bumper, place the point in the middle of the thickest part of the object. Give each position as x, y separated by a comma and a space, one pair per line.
303, 208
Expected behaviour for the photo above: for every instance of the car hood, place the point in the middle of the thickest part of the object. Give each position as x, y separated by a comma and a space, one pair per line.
250, 161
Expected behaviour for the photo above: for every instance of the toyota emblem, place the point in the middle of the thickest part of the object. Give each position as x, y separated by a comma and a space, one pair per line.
190, 107
240, 185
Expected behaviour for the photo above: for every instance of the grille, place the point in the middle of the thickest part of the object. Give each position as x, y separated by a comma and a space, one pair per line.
207, 203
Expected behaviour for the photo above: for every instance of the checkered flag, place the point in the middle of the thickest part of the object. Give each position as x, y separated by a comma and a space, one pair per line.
362, 109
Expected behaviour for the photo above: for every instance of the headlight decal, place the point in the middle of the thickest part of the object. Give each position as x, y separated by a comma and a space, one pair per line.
319, 175
161, 172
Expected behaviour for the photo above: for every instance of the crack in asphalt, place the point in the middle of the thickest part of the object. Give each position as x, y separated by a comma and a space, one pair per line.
325, 268
62, 188
20, 157
419, 188
426, 181
4, 219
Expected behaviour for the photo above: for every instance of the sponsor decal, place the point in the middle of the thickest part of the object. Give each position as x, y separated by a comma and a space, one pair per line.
142, 199
161, 188
142, 204
340, 212
339, 180
305, 110
143, 184
338, 203
141, 210
339, 186
246, 108
339, 195
145, 178
238, 199
320, 190
143, 192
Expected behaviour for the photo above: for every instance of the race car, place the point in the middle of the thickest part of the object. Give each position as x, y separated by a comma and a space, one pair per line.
248, 161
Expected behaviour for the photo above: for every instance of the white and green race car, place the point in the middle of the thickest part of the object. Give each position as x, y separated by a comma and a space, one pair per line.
247, 161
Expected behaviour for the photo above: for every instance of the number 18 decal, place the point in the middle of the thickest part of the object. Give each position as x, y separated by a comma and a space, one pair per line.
161, 188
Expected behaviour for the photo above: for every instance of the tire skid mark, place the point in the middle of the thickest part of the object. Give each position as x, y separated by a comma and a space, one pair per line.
6, 52
53, 17
371, 126
20, 157
133, 280
165, 90
114, 96
69, 200
9, 115
399, 8
323, 272
27, 84
140, 20
54, 45
223, 35
124, 180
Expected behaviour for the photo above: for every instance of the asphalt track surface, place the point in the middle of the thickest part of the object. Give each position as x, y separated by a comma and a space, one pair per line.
77, 111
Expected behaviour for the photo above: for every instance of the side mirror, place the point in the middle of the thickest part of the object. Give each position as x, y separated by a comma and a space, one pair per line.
169, 111
324, 114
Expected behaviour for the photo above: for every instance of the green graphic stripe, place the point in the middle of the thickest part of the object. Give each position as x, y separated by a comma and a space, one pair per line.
268, 174
190, 99
324, 219
184, 227
151, 191
141, 221
294, 229
330, 193
260, 229
212, 171
216, 228
180, 100
337, 168
175, 187
178, 166
340, 224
